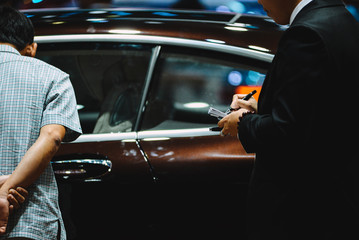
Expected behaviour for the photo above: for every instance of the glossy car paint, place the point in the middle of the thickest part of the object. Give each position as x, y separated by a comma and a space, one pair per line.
227, 29
157, 156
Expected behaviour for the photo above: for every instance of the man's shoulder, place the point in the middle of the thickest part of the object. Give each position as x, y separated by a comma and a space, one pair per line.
331, 22
29, 64
326, 17
42, 67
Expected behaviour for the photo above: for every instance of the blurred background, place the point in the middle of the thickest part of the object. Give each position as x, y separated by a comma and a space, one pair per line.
237, 6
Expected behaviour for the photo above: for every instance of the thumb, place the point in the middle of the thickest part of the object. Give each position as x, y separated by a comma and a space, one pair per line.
222, 122
11, 209
4, 215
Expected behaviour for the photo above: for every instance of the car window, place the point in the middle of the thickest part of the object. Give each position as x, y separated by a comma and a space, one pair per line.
108, 79
187, 83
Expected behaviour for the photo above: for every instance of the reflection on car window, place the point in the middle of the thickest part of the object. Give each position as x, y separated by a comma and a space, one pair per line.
186, 85
107, 78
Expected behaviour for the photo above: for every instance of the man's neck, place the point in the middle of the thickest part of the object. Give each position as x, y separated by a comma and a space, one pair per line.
29, 50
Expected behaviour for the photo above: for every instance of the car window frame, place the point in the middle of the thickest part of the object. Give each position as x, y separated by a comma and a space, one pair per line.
198, 54
158, 42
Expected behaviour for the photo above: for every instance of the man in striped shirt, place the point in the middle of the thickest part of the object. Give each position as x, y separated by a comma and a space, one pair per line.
37, 112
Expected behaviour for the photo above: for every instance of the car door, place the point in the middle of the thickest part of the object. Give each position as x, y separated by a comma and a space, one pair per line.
108, 79
93, 172
175, 133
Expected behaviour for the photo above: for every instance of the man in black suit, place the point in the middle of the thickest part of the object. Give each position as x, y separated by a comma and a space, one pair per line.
305, 127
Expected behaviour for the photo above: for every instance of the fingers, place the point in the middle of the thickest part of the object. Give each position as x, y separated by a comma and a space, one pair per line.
238, 102
13, 201
22, 191
238, 96
235, 103
229, 124
229, 132
222, 122
3, 226
17, 197
226, 132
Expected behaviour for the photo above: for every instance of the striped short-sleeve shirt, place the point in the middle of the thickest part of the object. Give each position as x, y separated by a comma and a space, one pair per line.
33, 94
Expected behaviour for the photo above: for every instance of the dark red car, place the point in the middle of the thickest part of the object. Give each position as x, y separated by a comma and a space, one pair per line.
147, 164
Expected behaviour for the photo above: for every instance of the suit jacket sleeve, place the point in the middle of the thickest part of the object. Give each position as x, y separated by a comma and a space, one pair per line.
287, 105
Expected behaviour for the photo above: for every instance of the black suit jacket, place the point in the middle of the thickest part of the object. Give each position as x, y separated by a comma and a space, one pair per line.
306, 132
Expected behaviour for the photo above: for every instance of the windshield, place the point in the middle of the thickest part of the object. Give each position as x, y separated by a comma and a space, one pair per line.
242, 6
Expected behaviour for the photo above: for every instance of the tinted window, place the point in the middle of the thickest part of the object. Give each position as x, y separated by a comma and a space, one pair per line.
107, 78
187, 84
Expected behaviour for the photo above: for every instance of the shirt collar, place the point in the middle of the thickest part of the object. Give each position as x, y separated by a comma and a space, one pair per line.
297, 9
7, 48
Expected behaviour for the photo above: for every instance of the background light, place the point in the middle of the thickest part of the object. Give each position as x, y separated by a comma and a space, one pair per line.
235, 78
196, 105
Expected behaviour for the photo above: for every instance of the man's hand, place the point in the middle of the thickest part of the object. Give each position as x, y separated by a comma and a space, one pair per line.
230, 122
250, 105
4, 212
8, 202
16, 197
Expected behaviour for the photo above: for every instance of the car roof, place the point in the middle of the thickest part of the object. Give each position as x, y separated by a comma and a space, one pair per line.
245, 31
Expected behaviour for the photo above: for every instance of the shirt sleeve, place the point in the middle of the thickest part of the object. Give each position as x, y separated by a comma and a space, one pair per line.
61, 108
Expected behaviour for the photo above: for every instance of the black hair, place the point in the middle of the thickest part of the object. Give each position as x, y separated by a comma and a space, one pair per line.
15, 28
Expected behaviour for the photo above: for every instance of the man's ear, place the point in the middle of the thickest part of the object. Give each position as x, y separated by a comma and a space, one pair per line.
29, 50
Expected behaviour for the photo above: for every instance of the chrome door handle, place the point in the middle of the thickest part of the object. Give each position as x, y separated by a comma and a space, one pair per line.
81, 169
